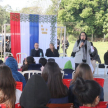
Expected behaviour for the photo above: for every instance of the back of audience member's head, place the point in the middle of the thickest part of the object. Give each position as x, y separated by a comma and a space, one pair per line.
87, 92
1, 62
84, 71
51, 60
12, 64
35, 94
53, 77
7, 86
43, 61
29, 60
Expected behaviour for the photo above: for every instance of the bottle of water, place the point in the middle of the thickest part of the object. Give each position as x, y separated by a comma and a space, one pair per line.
40, 54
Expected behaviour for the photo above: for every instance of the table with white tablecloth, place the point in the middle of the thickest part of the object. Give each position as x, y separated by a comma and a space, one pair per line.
59, 60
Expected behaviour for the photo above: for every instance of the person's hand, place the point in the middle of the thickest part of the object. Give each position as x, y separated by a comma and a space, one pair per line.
81, 44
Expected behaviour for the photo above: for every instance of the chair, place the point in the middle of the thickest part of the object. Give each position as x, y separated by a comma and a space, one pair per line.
67, 82
101, 66
31, 72
68, 105
3, 106
19, 57
17, 105
19, 85
106, 66
100, 81
73, 73
6, 54
102, 105
62, 73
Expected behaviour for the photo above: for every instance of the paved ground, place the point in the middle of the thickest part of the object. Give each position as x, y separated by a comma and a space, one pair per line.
105, 85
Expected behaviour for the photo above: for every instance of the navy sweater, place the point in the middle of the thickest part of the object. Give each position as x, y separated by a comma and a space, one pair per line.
73, 99
62, 100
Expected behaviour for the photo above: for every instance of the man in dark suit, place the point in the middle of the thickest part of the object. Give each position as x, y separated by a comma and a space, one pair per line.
37, 52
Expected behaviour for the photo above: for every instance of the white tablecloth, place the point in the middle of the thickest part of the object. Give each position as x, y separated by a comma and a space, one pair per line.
59, 60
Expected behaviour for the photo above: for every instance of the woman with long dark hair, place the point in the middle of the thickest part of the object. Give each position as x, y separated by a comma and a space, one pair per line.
53, 77
7, 87
82, 48
87, 92
52, 52
83, 71
27, 61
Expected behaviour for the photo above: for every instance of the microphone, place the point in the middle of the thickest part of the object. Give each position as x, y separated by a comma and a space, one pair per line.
82, 40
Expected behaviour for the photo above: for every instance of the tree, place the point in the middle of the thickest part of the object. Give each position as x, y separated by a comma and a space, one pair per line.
32, 10
5, 16
53, 9
86, 15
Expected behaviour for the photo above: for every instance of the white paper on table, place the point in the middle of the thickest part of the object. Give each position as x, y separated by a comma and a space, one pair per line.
92, 49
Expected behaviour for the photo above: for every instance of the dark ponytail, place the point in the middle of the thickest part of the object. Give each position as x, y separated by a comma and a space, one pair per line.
86, 91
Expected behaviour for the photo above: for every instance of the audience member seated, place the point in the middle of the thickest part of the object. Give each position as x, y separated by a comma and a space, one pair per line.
27, 61
1, 62
30, 64
35, 94
8, 92
83, 71
52, 52
53, 77
68, 70
12, 63
43, 62
51, 60
106, 58
87, 92
37, 52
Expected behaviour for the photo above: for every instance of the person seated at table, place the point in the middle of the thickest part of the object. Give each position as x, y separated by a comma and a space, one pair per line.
83, 71
35, 94
9, 95
87, 92
68, 70
43, 62
37, 52
52, 52
53, 77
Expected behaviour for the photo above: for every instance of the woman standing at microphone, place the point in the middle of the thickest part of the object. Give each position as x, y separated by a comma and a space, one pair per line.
82, 48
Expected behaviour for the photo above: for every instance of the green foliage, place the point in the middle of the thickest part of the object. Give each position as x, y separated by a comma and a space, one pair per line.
5, 17
53, 9
84, 15
32, 10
